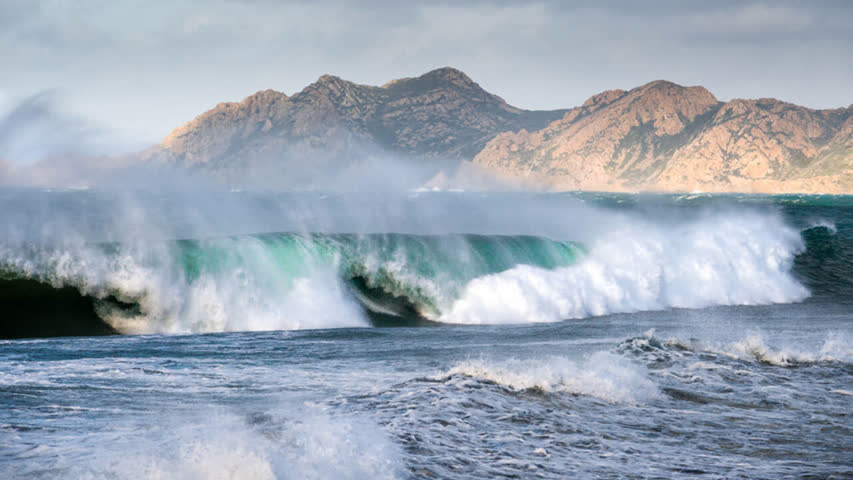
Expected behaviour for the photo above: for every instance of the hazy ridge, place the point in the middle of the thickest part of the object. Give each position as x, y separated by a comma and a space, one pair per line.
660, 136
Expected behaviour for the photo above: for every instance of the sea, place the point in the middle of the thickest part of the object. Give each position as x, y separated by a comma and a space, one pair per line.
227, 334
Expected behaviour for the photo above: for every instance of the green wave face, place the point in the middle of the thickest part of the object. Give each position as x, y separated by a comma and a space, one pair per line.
424, 271
268, 257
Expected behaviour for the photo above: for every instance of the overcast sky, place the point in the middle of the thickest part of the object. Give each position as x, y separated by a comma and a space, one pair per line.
143, 67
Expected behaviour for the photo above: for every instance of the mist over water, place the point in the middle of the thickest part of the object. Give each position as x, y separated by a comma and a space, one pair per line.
206, 260
571, 334
606, 335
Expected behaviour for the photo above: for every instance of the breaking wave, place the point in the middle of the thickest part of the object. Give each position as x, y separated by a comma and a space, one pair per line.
265, 282
296, 281
260, 446
752, 347
719, 260
603, 375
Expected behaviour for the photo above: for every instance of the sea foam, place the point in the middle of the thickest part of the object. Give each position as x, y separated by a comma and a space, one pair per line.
722, 258
603, 375
628, 263
257, 447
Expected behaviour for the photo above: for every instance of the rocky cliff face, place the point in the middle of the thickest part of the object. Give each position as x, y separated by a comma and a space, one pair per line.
659, 136
215, 132
442, 113
445, 113
662, 136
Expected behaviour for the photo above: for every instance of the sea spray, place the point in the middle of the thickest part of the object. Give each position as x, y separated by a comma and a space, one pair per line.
277, 281
724, 258
573, 260
603, 375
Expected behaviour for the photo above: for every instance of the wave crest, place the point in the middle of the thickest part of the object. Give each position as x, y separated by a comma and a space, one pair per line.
292, 281
722, 259
752, 347
603, 375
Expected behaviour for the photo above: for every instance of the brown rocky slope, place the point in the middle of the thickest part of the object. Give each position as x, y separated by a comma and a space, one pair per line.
659, 136
665, 137
442, 113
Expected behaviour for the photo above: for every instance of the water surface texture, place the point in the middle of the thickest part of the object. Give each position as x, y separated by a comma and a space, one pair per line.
438, 335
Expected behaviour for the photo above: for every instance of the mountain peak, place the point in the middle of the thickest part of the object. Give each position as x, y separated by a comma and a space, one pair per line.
332, 82
449, 73
603, 98
660, 84
327, 78
336, 90
264, 95
261, 104
665, 87
439, 78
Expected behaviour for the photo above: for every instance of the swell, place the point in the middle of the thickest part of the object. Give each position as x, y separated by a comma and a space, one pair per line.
826, 267
294, 281
254, 282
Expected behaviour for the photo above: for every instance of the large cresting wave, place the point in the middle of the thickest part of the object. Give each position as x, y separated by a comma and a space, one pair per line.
294, 281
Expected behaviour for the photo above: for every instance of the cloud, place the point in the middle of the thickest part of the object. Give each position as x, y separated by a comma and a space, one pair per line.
754, 19
147, 67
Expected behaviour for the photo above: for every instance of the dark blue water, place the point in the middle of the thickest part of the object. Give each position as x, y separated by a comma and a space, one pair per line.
730, 358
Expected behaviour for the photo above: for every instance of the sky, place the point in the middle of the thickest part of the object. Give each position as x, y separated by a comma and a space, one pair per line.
140, 68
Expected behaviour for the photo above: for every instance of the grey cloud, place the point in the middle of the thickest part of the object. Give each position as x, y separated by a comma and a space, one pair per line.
147, 67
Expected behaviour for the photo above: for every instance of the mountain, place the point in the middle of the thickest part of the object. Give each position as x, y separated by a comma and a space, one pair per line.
659, 136
442, 113
666, 137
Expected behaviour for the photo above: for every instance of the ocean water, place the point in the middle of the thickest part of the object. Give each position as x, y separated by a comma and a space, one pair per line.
211, 334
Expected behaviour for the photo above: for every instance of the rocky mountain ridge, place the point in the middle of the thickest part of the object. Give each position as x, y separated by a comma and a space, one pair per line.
442, 113
660, 136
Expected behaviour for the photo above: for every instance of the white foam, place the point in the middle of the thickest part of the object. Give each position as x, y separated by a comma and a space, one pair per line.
225, 446
824, 223
254, 293
724, 258
716, 258
603, 375
753, 346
